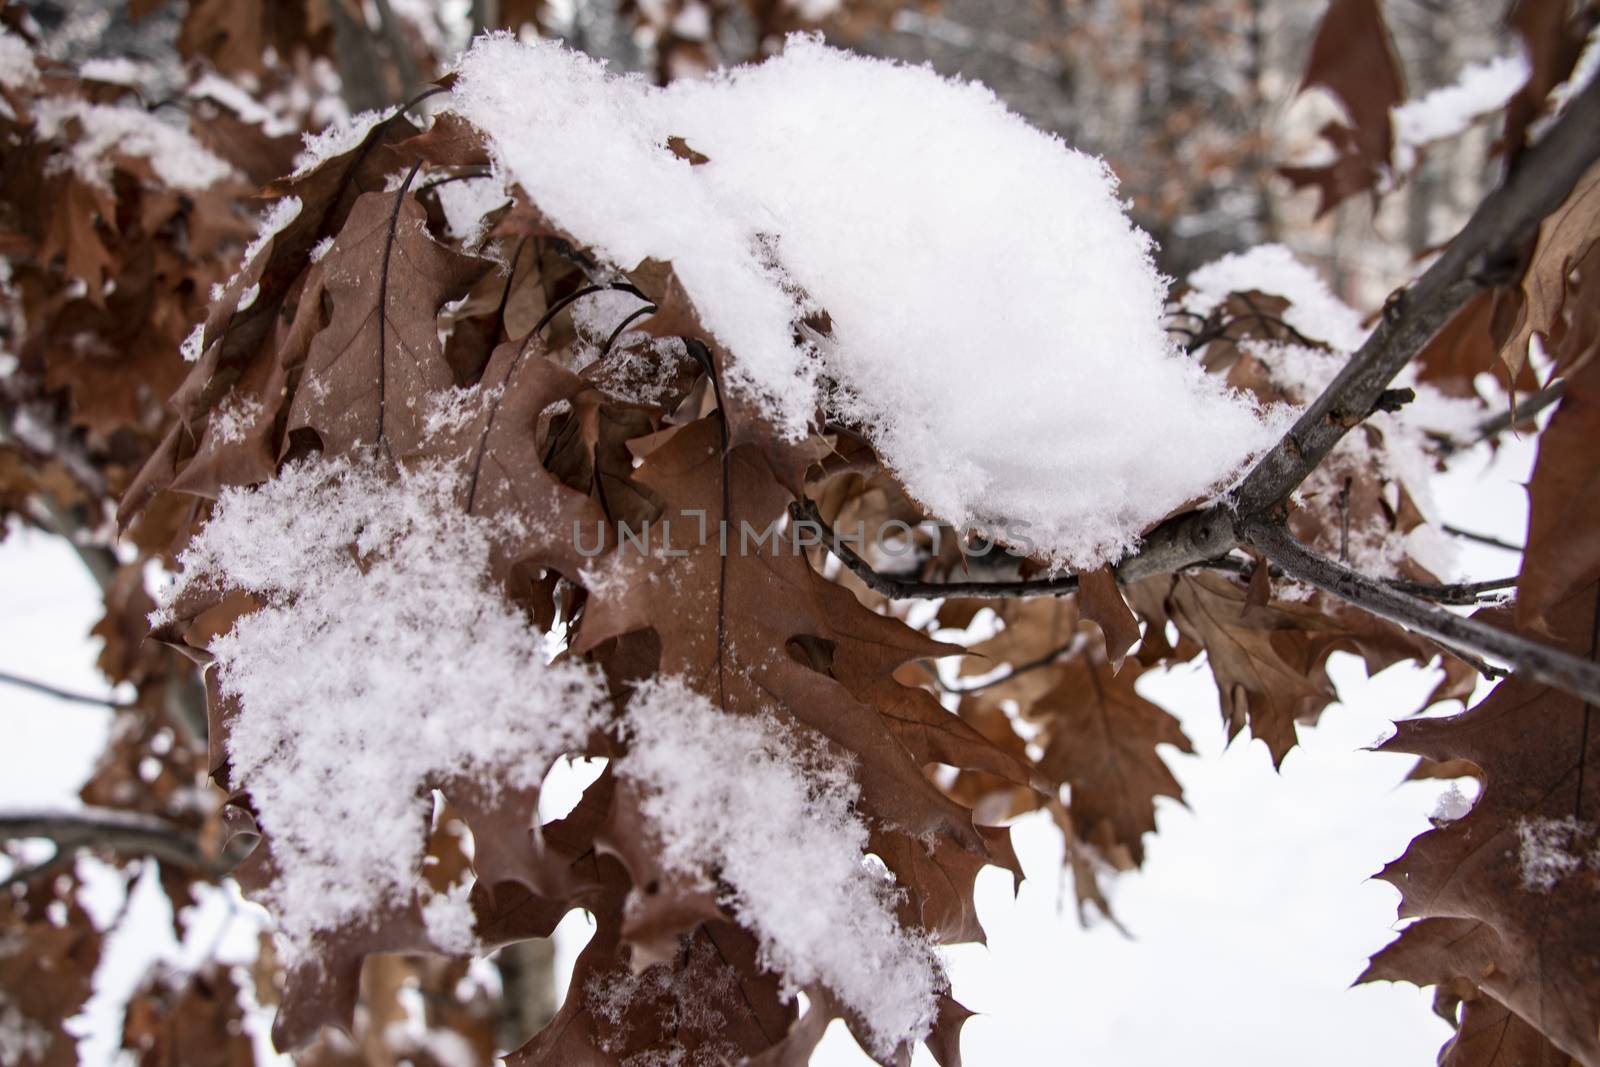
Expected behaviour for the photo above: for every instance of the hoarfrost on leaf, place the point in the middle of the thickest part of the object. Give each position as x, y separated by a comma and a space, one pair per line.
773, 816
381, 663
957, 210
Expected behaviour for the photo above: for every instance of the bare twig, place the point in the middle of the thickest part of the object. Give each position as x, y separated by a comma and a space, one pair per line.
68, 695
1482, 539
1451, 592
1021, 668
1537, 661
129, 832
1524, 412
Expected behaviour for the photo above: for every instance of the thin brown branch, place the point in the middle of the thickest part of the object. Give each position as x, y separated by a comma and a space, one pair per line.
1522, 414
127, 832
1462, 593
1534, 660
1481, 538
1021, 668
6, 678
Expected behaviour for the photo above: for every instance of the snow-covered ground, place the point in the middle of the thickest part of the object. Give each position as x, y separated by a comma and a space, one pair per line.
1253, 914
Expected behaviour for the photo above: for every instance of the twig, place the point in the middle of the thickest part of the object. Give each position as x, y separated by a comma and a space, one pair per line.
128, 832
1451, 592
1482, 539
6, 678
1021, 668
897, 587
1493, 427
1534, 660
1483, 253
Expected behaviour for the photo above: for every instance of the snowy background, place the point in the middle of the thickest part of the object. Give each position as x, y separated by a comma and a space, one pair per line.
1253, 914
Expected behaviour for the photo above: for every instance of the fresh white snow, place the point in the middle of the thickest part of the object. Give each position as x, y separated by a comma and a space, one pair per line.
995, 316
1273, 269
774, 814
382, 662
177, 158
1448, 111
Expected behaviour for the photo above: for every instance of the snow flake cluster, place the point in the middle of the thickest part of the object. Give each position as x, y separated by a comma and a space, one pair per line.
1481, 89
993, 318
1550, 850
178, 160
775, 817
381, 662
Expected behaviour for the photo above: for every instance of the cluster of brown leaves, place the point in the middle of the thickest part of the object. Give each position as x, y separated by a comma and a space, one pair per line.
108, 269
1507, 898
1353, 57
335, 354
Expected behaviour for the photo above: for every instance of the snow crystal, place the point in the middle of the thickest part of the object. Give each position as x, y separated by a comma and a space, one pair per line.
322, 248
466, 203
995, 316
1450, 110
450, 921
22, 1040
234, 97
338, 137
1453, 804
118, 70
194, 344
775, 817
233, 418
17, 70
1550, 850
382, 662
450, 410
1272, 269
177, 158
282, 212
683, 996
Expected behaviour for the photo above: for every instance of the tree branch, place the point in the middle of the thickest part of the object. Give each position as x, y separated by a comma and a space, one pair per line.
1530, 658
128, 832
1150, 560
1494, 426
7, 678
1483, 253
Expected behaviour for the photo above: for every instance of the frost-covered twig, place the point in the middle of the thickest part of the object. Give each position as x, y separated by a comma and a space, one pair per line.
1534, 660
